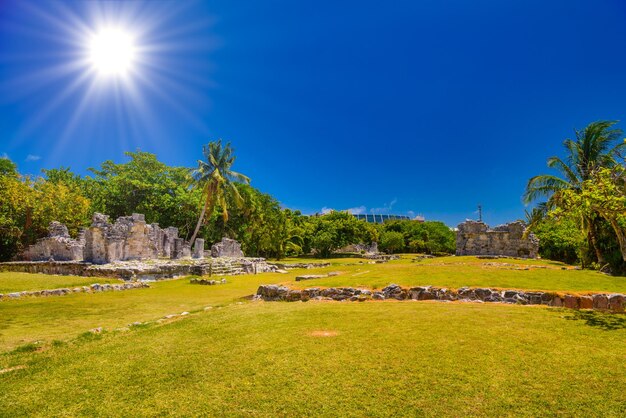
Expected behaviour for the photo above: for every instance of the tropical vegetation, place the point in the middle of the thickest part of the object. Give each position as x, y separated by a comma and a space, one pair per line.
589, 192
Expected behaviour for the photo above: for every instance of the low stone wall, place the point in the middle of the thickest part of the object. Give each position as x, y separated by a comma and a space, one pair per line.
144, 270
614, 302
94, 288
289, 266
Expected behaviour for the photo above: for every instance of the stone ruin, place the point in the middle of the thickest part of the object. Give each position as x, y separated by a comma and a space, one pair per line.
57, 245
226, 248
131, 238
476, 238
128, 238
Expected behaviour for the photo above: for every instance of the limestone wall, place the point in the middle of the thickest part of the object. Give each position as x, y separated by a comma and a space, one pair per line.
57, 246
476, 238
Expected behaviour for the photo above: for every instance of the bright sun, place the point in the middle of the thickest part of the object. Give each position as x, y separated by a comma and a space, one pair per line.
112, 52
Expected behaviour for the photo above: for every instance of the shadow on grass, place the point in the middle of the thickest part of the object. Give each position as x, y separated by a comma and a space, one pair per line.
603, 320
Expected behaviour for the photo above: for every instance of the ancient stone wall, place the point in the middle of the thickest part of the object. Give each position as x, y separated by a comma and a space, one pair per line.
226, 248
128, 238
56, 246
476, 238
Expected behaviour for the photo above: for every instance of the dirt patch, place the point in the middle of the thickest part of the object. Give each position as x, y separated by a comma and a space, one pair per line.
10, 369
324, 333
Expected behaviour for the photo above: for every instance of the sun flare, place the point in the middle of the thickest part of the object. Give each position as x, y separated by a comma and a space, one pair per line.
112, 51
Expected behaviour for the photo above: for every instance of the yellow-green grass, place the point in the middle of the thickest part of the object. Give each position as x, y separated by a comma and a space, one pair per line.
17, 282
333, 359
455, 272
26, 320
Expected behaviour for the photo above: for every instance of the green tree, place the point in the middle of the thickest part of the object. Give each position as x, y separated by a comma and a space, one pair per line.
7, 167
143, 185
594, 148
604, 194
391, 241
216, 180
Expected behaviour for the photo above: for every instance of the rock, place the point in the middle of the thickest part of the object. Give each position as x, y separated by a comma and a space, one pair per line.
184, 313
198, 248
281, 271
97, 330
394, 291
310, 277
534, 298
226, 248
617, 302
570, 301
586, 302
482, 294
600, 301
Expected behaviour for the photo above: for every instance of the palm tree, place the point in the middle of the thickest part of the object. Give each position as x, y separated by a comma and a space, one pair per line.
216, 180
594, 148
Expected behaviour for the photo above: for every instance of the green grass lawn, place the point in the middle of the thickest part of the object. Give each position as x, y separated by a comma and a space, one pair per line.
378, 359
17, 282
315, 358
456, 272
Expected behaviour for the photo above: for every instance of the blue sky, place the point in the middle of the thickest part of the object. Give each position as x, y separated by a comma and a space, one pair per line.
425, 107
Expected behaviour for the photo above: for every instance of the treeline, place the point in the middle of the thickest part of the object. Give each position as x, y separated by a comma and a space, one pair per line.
583, 219
167, 196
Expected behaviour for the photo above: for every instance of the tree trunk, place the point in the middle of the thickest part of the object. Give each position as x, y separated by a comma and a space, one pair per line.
621, 237
593, 237
200, 219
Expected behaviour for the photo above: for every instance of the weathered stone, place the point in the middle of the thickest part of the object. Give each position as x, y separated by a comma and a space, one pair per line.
600, 301
534, 298
586, 302
226, 248
56, 246
570, 301
617, 302
198, 248
310, 277
482, 294
475, 238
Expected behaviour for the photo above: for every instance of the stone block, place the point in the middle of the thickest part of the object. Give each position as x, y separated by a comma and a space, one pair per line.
570, 301
226, 248
198, 248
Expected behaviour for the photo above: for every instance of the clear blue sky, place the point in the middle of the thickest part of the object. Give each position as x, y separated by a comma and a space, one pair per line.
423, 106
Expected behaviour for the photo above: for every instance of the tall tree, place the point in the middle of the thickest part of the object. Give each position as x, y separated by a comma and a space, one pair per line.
216, 180
595, 147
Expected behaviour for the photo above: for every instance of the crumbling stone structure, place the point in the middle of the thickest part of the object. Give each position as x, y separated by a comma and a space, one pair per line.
476, 238
226, 248
57, 245
128, 238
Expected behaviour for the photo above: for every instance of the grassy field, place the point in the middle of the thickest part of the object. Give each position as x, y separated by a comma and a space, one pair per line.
317, 358
17, 282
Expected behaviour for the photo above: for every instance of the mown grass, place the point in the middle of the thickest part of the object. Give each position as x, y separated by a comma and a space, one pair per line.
455, 272
381, 359
17, 282
61, 317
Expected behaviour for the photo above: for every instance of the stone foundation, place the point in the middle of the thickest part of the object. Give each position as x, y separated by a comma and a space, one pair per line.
613, 302
145, 270
476, 238
94, 288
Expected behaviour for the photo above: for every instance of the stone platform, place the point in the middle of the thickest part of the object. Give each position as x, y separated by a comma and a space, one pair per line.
154, 269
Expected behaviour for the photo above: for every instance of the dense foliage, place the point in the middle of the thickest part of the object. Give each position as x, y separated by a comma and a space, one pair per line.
429, 237
590, 194
176, 196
